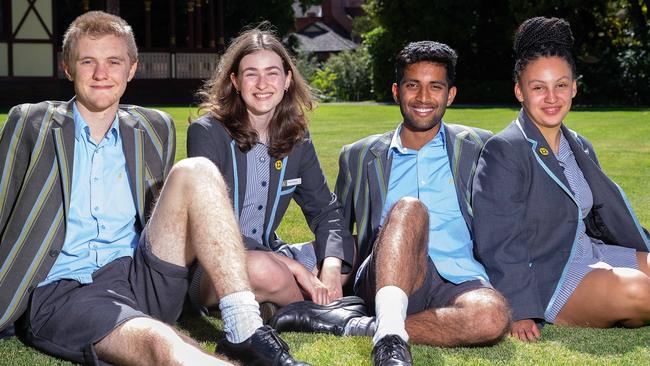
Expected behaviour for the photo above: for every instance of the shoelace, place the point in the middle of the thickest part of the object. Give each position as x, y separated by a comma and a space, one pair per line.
270, 333
389, 350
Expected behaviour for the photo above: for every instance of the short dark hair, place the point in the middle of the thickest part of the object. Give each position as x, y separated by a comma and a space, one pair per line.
542, 37
427, 51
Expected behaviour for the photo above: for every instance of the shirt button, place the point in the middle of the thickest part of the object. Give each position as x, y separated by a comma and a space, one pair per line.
264, 184
254, 231
262, 159
96, 208
103, 227
95, 179
260, 207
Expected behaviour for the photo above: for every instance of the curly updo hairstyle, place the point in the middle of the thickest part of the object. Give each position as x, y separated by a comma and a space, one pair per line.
542, 37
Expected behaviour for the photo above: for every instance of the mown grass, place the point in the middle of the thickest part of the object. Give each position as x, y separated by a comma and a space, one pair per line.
620, 137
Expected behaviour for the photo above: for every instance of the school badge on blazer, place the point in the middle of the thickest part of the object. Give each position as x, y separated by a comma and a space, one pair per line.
278, 164
542, 150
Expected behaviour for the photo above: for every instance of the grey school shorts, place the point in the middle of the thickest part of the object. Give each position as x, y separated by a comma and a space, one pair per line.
435, 292
65, 318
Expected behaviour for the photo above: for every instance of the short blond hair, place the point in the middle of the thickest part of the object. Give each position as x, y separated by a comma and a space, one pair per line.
97, 24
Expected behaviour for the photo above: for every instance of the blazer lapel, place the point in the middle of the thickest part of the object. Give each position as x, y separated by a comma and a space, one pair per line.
242, 174
277, 169
584, 162
133, 147
544, 152
459, 144
378, 173
63, 134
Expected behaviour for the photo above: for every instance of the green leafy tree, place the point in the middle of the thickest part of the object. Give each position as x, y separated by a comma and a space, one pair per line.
352, 70
324, 81
612, 44
464, 25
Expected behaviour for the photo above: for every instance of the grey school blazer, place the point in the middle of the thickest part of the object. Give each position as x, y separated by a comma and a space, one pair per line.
36, 158
364, 172
526, 216
297, 175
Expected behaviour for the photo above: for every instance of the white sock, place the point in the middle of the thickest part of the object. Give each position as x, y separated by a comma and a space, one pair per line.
241, 315
391, 303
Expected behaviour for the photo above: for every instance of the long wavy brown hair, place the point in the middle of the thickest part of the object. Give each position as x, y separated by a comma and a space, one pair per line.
219, 98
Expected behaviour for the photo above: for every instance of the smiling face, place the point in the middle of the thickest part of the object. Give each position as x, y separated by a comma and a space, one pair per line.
545, 88
423, 95
261, 81
100, 69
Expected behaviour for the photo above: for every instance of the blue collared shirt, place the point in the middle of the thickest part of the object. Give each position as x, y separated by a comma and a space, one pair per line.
100, 223
425, 174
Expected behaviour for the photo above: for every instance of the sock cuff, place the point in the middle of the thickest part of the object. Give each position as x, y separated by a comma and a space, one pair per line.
392, 291
392, 295
237, 298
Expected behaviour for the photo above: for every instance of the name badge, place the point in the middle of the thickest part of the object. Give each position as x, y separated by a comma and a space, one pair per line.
291, 182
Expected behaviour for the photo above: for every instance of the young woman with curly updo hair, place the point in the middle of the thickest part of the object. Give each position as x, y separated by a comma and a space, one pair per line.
557, 237
255, 130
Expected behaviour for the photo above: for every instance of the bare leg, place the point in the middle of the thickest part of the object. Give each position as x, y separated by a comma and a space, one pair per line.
146, 341
271, 280
478, 317
400, 254
192, 219
606, 297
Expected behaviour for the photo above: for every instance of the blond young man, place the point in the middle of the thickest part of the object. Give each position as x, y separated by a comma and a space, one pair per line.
91, 270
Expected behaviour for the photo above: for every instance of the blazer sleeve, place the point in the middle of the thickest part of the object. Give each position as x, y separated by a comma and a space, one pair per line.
343, 189
170, 155
15, 151
201, 141
499, 201
322, 211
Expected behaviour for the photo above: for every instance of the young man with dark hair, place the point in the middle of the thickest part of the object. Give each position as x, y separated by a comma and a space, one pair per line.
91, 269
408, 194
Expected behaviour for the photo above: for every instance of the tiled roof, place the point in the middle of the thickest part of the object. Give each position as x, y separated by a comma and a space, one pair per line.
318, 37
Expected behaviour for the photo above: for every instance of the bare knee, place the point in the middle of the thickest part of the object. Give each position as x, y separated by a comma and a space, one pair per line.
143, 340
408, 218
407, 209
267, 275
196, 172
488, 316
636, 300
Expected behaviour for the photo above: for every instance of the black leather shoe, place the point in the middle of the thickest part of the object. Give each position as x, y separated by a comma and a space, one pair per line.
391, 351
306, 316
263, 348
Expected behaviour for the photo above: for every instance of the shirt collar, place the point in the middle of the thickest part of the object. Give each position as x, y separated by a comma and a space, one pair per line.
396, 141
81, 126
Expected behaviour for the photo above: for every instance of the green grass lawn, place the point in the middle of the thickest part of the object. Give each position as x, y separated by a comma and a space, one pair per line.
620, 138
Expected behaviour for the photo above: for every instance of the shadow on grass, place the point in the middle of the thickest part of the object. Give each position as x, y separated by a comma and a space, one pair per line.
599, 342
203, 329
